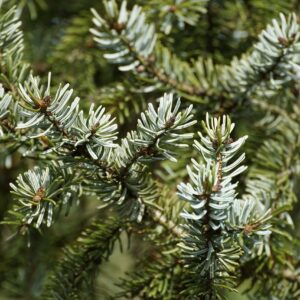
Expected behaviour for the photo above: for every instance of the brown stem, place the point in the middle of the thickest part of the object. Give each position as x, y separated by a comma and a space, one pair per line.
150, 149
168, 224
150, 67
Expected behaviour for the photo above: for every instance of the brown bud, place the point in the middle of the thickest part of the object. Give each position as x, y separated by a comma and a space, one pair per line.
283, 41
216, 188
40, 193
215, 144
95, 128
140, 69
147, 151
47, 100
8, 125
170, 122
44, 103
249, 228
118, 26
172, 8
228, 141
37, 198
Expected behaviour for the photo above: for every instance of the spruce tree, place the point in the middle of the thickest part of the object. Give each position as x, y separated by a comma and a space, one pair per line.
149, 149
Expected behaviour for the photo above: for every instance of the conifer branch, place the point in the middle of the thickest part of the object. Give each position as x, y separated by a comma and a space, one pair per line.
157, 280
211, 196
271, 185
38, 192
120, 31
246, 215
202, 247
252, 74
170, 15
80, 262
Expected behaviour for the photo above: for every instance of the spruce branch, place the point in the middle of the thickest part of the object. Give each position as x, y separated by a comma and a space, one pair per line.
214, 240
163, 267
160, 279
211, 252
13, 69
57, 119
80, 262
133, 41
136, 33
121, 175
11, 41
39, 191
254, 73
175, 14
130, 178
156, 131
41, 109
5, 103
271, 185
271, 65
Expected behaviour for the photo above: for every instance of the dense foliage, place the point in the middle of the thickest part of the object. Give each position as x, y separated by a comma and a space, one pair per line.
171, 170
